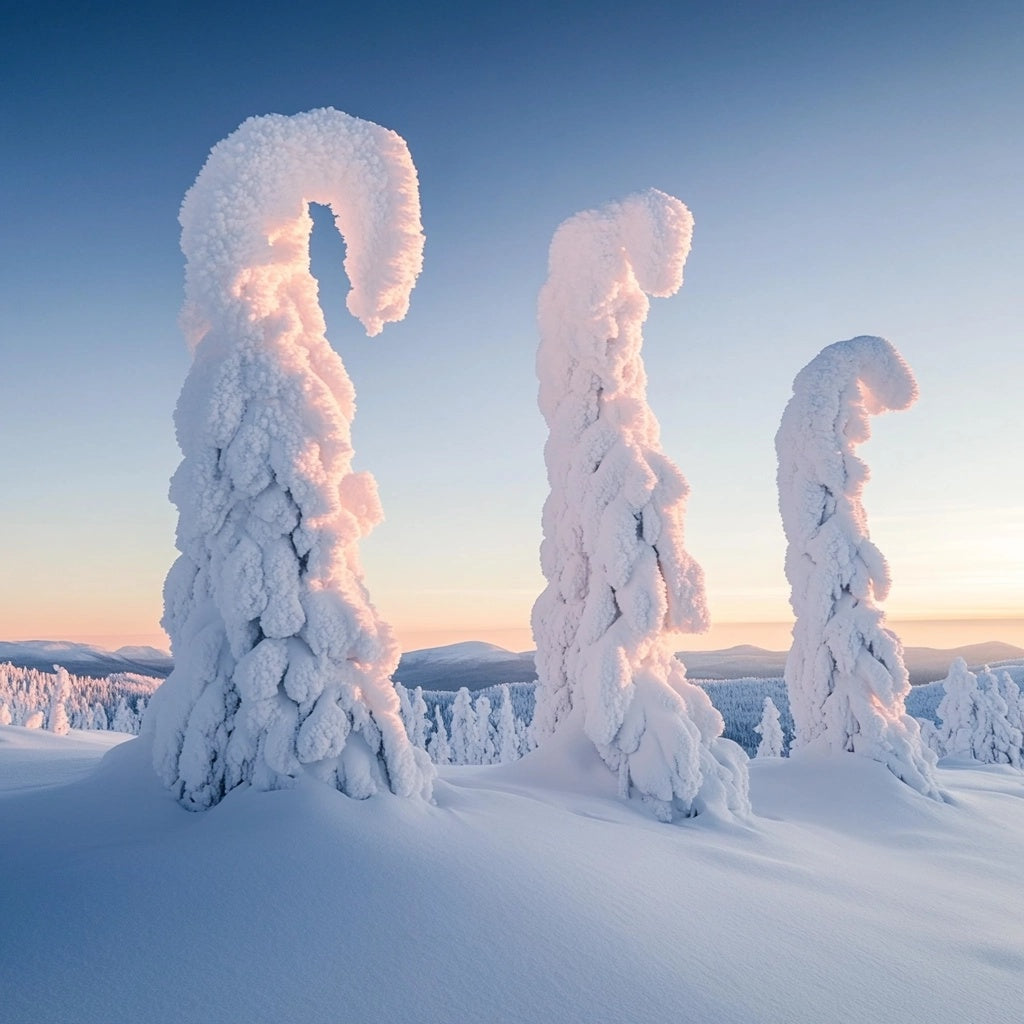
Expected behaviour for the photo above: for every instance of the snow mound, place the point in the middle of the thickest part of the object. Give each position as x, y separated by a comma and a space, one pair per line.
516, 899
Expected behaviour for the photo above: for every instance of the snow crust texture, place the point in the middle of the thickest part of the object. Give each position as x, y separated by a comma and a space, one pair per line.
281, 663
618, 574
845, 672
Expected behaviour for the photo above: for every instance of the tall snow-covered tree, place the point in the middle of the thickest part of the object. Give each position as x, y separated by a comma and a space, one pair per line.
619, 578
508, 739
961, 711
845, 673
437, 746
124, 719
57, 716
1002, 741
5, 713
420, 722
282, 665
483, 737
770, 731
462, 736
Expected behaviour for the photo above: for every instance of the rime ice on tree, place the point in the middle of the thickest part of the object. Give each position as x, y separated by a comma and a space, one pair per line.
281, 663
845, 673
619, 576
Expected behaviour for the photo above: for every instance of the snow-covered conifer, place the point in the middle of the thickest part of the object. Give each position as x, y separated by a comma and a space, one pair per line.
404, 707
99, 717
5, 713
1002, 741
845, 673
34, 720
57, 716
282, 665
619, 578
507, 742
463, 734
420, 722
483, 742
770, 731
961, 711
124, 718
438, 747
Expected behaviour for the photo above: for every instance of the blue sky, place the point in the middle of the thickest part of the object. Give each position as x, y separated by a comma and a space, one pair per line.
852, 169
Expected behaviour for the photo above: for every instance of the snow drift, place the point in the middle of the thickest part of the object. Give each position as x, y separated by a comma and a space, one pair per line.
619, 577
282, 664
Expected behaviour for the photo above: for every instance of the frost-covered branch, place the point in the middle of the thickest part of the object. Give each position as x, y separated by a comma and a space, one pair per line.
845, 672
619, 576
281, 663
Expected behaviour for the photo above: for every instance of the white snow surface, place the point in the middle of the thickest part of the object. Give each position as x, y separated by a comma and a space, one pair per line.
526, 893
282, 664
619, 577
845, 673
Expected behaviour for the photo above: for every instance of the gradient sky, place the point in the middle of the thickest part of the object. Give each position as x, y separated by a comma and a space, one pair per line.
852, 169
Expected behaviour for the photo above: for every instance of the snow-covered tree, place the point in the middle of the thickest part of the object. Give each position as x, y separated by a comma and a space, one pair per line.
845, 673
57, 716
619, 578
420, 722
124, 719
961, 711
770, 731
282, 665
5, 713
1002, 741
462, 735
483, 736
99, 717
438, 748
508, 740
404, 707
35, 720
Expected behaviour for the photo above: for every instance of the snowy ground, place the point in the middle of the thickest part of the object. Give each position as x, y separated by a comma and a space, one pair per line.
516, 898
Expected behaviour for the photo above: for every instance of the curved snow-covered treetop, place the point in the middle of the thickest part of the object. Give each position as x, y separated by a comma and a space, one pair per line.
845, 672
619, 576
246, 225
282, 665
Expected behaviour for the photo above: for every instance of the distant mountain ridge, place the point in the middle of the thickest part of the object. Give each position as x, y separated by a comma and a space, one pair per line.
85, 659
477, 665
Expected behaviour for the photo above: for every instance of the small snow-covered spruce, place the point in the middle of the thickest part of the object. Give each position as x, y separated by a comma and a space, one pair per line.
619, 578
961, 711
57, 717
420, 722
463, 737
282, 665
770, 731
437, 746
845, 673
5, 713
483, 742
1001, 741
508, 740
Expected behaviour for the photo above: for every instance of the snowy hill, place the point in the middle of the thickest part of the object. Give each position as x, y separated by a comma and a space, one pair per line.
527, 893
85, 659
478, 665
473, 664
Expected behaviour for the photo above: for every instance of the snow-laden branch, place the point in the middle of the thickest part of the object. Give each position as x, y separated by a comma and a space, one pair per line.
619, 576
281, 663
845, 672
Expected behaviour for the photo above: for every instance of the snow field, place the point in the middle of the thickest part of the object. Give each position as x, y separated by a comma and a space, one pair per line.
520, 896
